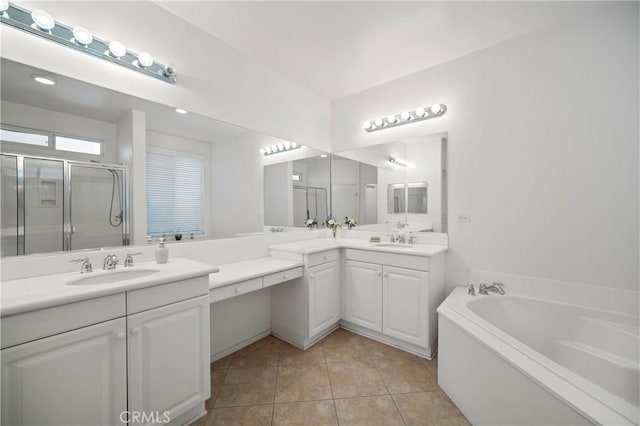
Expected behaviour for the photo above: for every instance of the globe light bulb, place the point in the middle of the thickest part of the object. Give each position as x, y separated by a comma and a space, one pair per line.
420, 112
145, 59
4, 5
378, 122
405, 116
83, 36
391, 119
43, 20
436, 108
117, 49
367, 125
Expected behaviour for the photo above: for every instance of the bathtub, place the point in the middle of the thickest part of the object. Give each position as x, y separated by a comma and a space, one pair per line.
547, 352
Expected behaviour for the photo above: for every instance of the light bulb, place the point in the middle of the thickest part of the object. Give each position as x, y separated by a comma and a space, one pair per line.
405, 116
43, 20
436, 108
82, 36
378, 122
145, 59
420, 112
181, 111
293, 144
391, 119
43, 80
367, 125
267, 150
117, 49
4, 5
262, 151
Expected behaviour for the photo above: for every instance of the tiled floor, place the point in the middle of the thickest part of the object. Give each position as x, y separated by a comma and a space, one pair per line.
345, 379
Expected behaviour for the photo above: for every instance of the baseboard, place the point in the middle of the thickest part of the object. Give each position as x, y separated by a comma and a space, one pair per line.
240, 345
298, 341
190, 416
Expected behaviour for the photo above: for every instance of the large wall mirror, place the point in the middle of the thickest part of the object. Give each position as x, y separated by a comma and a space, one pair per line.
399, 185
71, 174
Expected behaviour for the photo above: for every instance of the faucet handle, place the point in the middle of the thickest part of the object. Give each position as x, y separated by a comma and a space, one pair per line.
471, 291
86, 264
128, 261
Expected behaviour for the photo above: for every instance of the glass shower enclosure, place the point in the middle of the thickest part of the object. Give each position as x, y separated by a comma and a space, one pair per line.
51, 204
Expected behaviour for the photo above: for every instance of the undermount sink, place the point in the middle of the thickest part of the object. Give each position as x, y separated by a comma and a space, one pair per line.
113, 276
395, 245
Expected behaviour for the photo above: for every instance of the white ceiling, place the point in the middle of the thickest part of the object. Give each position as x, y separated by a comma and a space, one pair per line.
86, 100
339, 48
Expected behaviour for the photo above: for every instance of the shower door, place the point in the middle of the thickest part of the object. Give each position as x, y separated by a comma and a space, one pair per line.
97, 211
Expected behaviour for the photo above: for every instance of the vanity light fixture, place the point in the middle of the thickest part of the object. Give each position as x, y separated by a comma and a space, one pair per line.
281, 147
42, 24
181, 111
393, 120
43, 80
397, 161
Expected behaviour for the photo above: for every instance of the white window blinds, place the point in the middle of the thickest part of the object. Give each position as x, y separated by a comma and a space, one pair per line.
175, 193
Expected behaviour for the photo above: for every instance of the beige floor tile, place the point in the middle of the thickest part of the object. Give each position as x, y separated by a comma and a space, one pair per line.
302, 383
247, 386
217, 378
222, 364
341, 337
379, 350
368, 411
290, 355
359, 378
202, 421
266, 343
428, 408
255, 358
402, 376
311, 413
256, 415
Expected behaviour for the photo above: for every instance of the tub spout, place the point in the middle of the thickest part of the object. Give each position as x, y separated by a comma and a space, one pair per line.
471, 290
493, 288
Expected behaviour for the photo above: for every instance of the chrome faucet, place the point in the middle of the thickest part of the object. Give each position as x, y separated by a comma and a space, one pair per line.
411, 240
471, 291
400, 238
493, 288
86, 264
128, 261
110, 262
392, 238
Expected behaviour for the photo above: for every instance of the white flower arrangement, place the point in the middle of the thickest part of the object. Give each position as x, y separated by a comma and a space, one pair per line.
310, 223
351, 223
333, 224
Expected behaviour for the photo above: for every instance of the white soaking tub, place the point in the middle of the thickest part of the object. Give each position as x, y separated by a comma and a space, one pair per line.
546, 352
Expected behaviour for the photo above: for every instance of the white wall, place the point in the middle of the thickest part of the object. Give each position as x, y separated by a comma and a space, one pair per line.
213, 79
543, 149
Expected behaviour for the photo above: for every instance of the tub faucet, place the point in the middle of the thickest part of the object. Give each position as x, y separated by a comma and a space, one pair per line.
493, 288
110, 262
86, 264
471, 291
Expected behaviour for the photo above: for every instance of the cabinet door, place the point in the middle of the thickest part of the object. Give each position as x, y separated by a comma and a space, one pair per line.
324, 297
363, 294
406, 305
73, 378
169, 358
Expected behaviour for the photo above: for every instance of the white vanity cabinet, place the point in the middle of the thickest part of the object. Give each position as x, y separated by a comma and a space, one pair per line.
74, 378
393, 297
146, 351
308, 308
363, 294
168, 357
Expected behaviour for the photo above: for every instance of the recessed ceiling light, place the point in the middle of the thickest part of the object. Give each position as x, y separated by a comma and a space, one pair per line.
43, 20
43, 80
181, 111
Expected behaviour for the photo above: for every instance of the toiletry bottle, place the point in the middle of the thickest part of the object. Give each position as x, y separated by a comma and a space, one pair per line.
162, 252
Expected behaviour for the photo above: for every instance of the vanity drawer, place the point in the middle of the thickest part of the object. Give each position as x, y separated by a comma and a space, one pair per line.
166, 294
322, 257
280, 277
420, 263
233, 290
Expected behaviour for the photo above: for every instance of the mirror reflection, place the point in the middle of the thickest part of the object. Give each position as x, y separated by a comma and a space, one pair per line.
399, 185
140, 168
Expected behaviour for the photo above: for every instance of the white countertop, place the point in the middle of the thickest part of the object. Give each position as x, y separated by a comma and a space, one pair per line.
323, 244
33, 293
247, 269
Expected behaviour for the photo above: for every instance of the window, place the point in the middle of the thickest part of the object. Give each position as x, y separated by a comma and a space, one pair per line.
175, 193
82, 146
15, 136
49, 141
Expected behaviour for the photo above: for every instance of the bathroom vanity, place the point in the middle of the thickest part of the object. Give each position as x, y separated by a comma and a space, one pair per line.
114, 345
388, 292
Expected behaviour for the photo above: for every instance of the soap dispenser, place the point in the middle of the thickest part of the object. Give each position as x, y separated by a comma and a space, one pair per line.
162, 252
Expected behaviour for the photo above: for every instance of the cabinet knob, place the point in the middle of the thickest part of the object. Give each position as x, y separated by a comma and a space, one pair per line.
325, 257
135, 331
312, 276
237, 290
119, 335
285, 276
